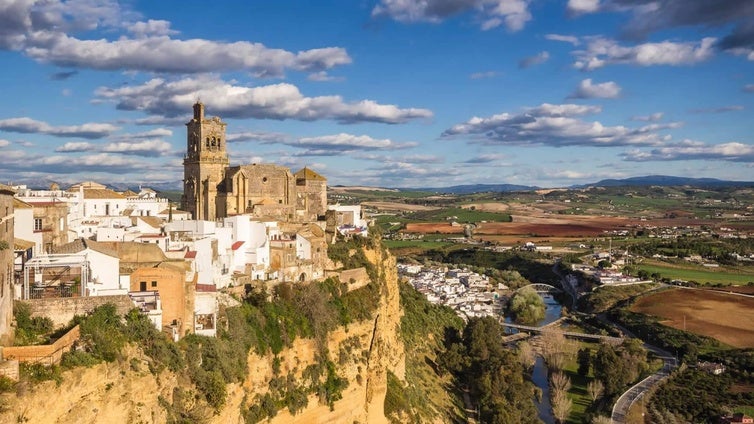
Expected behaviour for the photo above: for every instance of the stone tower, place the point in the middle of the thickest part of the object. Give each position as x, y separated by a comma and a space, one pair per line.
204, 164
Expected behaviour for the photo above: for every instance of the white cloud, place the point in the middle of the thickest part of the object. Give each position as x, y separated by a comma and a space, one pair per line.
556, 125
342, 143
537, 59
29, 125
649, 118
749, 88
601, 52
564, 38
265, 137
42, 30
277, 101
588, 90
164, 54
147, 148
487, 158
730, 152
579, 7
4, 143
151, 28
490, 13
76, 146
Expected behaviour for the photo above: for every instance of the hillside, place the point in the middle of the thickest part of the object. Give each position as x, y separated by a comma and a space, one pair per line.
339, 374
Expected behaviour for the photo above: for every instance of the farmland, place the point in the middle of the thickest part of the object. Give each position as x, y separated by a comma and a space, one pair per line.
723, 316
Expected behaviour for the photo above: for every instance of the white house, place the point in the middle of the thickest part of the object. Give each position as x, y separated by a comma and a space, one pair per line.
103, 264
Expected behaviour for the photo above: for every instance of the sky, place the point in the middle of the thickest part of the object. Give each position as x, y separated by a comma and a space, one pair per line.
389, 93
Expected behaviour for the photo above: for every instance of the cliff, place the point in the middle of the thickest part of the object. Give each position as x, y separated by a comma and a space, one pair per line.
125, 391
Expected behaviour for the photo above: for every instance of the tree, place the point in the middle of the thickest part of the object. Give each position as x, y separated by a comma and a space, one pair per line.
561, 406
584, 359
556, 349
526, 354
526, 306
595, 389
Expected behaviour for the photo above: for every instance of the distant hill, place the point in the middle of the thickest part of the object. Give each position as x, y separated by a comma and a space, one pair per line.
477, 188
666, 180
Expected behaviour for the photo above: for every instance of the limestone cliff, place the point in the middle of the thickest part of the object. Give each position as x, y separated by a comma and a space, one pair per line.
363, 353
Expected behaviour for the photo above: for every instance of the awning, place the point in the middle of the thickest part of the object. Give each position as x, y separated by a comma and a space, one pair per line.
21, 244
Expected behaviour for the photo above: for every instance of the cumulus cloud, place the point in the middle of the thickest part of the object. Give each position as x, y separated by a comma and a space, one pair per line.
43, 32
558, 126
721, 109
19, 161
580, 7
416, 158
486, 158
29, 125
537, 59
657, 15
564, 38
490, 13
342, 143
601, 52
278, 101
147, 148
648, 118
605, 90
729, 152
151, 27
265, 137
76, 146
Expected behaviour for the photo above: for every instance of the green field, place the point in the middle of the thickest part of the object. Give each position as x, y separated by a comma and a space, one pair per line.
459, 214
701, 276
398, 244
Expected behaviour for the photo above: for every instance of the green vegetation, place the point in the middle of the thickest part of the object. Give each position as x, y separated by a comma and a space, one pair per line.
691, 396
526, 306
673, 340
492, 374
30, 331
457, 214
605, 297
696, 274
424, 395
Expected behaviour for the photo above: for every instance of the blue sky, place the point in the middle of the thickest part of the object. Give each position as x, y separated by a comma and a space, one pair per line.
393, 93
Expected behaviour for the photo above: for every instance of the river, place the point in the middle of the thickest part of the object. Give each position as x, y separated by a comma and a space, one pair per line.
539, 374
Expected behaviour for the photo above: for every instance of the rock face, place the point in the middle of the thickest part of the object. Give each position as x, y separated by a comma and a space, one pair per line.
363, 353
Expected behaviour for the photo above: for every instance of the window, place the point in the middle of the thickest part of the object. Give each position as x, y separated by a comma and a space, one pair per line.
143, 286
154, 283
62, 224
37, 224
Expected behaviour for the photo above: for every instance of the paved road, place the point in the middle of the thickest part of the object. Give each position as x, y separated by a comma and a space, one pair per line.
621, 407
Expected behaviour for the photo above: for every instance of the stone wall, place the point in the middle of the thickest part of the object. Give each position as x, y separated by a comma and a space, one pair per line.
43, 354
62, 310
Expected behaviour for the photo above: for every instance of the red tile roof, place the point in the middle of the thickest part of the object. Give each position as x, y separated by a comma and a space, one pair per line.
236, 245
206, 288
190, 254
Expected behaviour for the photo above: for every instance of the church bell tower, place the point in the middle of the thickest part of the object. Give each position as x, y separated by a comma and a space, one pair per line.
204, 164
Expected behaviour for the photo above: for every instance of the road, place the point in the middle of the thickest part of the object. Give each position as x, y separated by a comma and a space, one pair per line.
621, 407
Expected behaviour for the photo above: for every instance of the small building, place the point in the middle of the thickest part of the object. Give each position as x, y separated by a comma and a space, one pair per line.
711, 367
737, 418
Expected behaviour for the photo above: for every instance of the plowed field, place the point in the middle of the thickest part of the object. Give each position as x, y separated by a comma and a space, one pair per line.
723, 316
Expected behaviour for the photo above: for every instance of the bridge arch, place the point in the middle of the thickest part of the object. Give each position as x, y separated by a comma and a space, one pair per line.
542, 288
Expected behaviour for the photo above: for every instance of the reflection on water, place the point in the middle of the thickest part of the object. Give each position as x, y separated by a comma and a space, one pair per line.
539, 377
539, 374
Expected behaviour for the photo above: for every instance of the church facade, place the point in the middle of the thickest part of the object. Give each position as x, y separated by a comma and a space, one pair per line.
212, 189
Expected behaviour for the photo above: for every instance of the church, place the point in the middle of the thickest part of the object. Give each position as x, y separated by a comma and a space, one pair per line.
212, 189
